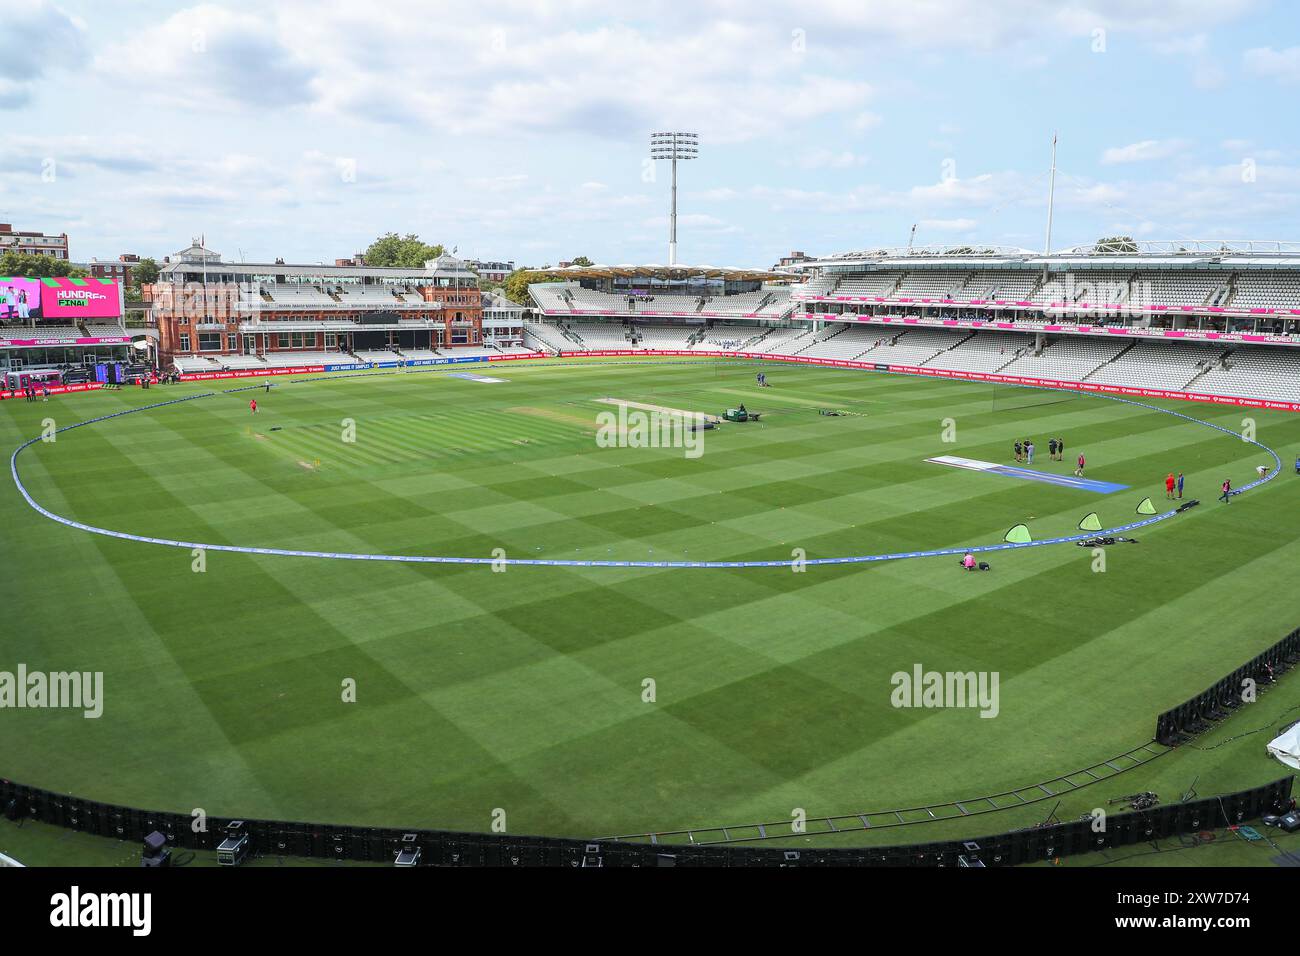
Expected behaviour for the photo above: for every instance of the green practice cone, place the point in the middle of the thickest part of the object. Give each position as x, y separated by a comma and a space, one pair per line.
1090, 523
1019, 535
1146, 508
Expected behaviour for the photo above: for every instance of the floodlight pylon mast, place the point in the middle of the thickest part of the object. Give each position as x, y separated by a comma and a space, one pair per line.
674, 147
672, 221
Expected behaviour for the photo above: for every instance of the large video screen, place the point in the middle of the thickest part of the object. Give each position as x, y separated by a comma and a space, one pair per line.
19, 299
59, 298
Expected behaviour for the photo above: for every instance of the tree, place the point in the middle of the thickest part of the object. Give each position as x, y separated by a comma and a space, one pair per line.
515, 288
13, 263
1117, 244
582, 261
144, 272
407, 251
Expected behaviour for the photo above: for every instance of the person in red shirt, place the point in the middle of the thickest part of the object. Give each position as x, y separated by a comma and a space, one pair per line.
1079, 471
253, 406
1169, 485
1227, 490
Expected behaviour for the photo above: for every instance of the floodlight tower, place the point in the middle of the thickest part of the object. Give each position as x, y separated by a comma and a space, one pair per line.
672, 147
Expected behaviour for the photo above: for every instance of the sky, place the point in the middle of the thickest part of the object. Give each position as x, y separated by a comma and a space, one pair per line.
518, 129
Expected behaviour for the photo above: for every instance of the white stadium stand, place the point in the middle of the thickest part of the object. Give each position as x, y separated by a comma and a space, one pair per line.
913, 347
1211, 318
783, 341
674, 338
547, 337
1253, 373
1067, 359
600, 336
984, 352
1157, 365
287, 359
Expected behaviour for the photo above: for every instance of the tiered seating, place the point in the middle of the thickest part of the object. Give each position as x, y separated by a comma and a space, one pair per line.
1184, 289
1101, 288
741, 302
367, 293
915, 346
599, 336
564, 298
1255, 373
377, 355
841, 343
546, 336
821, 285
283, 359
1156, 365
416, 355
668, 302
105, 331
300, 295
783, 341
1059, 288
188, 365
667, 337
589, 300
1266, 290
876, 283
70, 333
929, 285
1069, 358
1004, 286
984, 352
780, 303
234, 362
728, 337
552, 296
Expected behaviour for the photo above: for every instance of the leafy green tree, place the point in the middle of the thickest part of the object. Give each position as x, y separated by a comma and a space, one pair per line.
515, 288
144, 272
14, 263
582, 261
1118, 244
408, 251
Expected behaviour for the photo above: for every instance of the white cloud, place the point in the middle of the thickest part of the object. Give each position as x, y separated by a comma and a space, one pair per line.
214, 56
245, 120
37, 38
1193, 45
1143, 152
1280, 65
864, 122
829, 159
948, 225
500, 184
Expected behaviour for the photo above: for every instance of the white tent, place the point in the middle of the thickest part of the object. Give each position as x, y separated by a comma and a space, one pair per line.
1286, 747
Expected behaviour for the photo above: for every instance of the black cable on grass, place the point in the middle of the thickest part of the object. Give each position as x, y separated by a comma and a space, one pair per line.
1195, 842
1249, 733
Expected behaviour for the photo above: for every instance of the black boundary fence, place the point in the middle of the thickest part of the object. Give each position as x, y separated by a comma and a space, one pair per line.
1195, 716
445, 848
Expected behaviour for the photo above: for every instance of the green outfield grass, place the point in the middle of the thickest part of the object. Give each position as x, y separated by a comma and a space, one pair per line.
523, 690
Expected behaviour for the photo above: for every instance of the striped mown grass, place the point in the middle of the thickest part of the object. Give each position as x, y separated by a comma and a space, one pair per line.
524, 690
